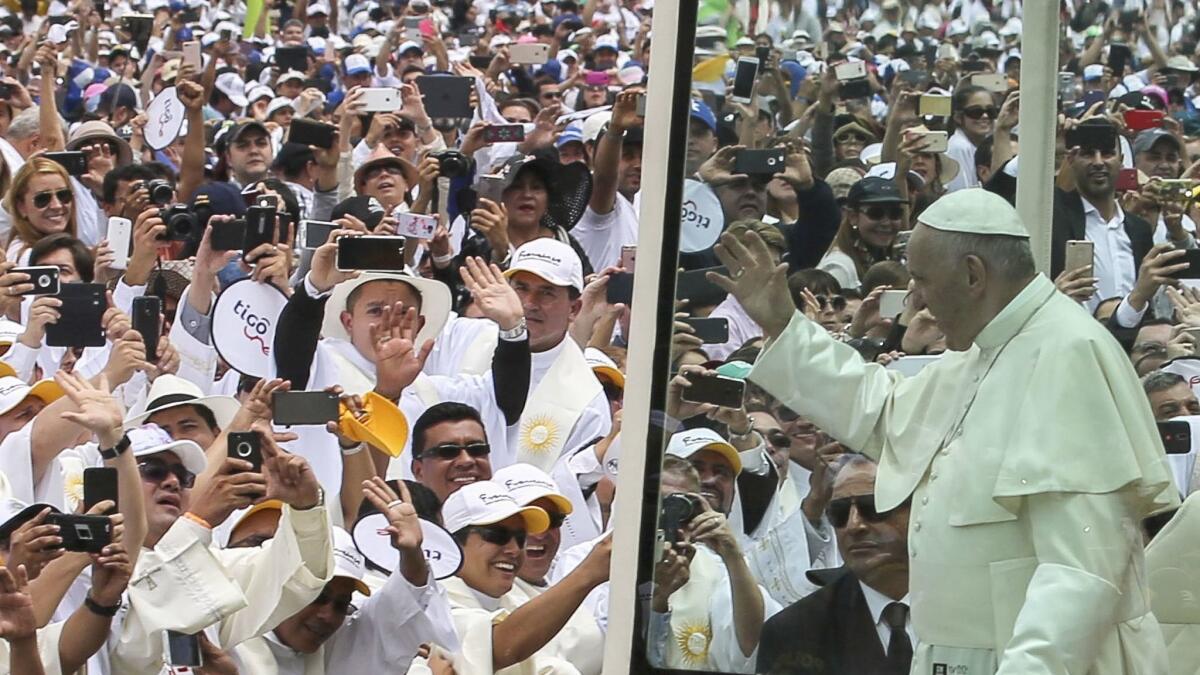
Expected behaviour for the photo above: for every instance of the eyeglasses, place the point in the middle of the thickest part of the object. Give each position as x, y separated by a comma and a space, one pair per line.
882, 212
779, 440
450, 451
839, 510
157, 472
42, 199
557, 520
499, 535
837, 302
977, 111
551, 94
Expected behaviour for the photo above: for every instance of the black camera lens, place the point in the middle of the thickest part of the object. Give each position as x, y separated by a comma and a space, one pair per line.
453, 164
180, 222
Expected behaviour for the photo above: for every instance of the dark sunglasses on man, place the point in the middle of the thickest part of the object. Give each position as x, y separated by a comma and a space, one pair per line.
448, 451
156, 471
839, 510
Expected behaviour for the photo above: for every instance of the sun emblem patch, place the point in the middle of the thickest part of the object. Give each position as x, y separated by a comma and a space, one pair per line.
693, 640
72, 482
538, 434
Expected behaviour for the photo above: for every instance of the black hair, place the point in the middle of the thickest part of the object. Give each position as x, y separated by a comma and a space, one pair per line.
449, 411
958, 102
129, 172
205, 414
81, 255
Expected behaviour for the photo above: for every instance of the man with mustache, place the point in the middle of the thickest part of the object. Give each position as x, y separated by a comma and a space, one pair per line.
857, 623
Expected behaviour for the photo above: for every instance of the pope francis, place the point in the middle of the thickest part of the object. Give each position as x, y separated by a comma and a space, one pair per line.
1028, 452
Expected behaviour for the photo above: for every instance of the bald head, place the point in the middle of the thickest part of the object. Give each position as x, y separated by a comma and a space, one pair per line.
966, 279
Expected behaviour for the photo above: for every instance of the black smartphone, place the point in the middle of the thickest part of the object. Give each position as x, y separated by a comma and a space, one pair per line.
718, 390
147, 320
43, 277
712, 331
303, 407
99, 484
743, 79
446, 97
246, 445
694, 286
314, 233
468, 39
370, 252
761, 162
916, 78
82, 534
181, 650
72, 160
1118, 55
291, 58
852, 89
81, 320
229, 235
620, 288
60, 20
1176, 436
973, 65
1127, 18
1191, 256
260, 228
6, 90
308, 132
504, 133
480, 62
1092, 137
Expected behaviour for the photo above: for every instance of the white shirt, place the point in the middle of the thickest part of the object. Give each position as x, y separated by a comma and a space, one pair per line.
962, 150
602, 235
1115, 269
876, 603
742, 329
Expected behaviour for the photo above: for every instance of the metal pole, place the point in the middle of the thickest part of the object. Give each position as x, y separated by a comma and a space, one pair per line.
1038, 121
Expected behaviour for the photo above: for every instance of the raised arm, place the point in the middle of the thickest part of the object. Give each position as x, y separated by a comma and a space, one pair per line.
512, 360
607, 163
49, 123
191, 170
17, 625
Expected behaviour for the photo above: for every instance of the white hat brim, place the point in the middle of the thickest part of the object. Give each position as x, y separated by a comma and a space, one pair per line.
435, 304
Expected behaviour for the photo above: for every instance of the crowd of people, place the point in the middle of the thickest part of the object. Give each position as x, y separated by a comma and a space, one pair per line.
416, 470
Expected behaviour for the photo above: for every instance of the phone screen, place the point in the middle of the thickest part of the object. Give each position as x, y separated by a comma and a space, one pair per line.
725, 392
304, 407
381, 254
182, 649
743, 79
99, 484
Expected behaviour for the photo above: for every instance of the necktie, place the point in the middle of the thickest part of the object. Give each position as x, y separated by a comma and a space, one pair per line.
899, 651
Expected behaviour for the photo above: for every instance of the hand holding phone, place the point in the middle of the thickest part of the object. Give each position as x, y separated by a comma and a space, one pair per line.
147, 321
247, 446
304, 407
99, 484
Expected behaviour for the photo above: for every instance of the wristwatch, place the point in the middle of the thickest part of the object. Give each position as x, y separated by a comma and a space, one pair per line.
515, 333
98, 609
735, 436
116, 450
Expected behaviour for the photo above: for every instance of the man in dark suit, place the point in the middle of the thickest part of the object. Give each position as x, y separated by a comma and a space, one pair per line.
858, 624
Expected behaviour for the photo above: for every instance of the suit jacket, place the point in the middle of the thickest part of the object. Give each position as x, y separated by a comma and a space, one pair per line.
827, 633
1069, 224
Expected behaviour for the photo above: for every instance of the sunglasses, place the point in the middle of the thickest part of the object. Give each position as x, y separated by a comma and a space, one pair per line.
157, 472
839, 510
551, 94
779, 440
837, 302
391, 169
341, 606
499, 535
450, 451
557, 520
977, 111
42, 199
895, 212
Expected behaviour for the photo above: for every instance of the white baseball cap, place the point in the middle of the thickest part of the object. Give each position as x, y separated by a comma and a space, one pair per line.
10, 331
602, 365
290, 75
608, 42
150, 439
357, 64
319, 7
551, 260
594, 124
527, 484
487, 503
348, 562
13, 390
279, 103
232, 86
259, 91
687, 443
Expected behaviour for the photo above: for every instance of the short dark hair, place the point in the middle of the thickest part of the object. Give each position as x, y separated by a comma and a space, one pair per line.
203, 412
449, 411
81, 255
129, 172
352, 297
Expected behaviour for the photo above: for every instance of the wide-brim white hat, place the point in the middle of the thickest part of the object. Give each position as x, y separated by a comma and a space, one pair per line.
435, 304
172, 391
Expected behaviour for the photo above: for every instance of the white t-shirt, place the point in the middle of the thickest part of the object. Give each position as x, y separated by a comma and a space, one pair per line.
962, 150
602, 235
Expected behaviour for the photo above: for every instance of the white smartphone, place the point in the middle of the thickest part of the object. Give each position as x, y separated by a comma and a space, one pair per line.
314, 233
891, 303
415, 225
120, 238
412, 28
935, 141
380, 99
934, 105
533, 53
1080, 253
994, 82
850, 70
191, 54
743, 79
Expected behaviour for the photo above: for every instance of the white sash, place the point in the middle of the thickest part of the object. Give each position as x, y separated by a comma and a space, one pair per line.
478, 358
553, 407
691, 624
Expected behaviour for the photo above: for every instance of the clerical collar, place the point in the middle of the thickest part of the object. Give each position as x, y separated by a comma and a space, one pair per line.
1005, 325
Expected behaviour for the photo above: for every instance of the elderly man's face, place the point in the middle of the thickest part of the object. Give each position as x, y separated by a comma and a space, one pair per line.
873, 545
1174, 402
944, 285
